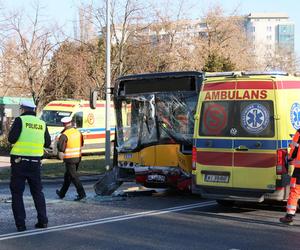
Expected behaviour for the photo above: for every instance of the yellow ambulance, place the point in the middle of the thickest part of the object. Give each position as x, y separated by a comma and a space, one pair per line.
243, 126
91, 122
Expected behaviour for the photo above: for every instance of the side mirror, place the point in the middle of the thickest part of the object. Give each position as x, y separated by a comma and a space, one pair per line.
93, 99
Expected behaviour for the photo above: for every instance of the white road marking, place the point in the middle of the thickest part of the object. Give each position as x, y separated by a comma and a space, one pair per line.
104, 220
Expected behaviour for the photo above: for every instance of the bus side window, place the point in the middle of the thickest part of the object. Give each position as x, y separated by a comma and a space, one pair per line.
78, 119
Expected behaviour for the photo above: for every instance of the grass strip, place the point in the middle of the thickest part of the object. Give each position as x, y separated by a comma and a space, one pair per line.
53, 168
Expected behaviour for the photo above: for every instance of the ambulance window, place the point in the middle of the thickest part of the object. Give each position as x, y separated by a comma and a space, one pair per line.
78, 118
237, 119
215, 118
53, 117
256, 118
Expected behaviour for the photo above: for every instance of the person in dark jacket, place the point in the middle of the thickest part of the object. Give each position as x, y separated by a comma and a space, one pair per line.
29, 135
69, 146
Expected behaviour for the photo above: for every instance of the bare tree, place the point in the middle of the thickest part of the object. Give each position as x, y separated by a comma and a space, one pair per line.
283, 59
35, 46
11, 74
74, 69
143, 44
223, 37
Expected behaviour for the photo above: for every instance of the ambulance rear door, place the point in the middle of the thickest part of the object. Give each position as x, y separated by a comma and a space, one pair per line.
215, 144
254, 135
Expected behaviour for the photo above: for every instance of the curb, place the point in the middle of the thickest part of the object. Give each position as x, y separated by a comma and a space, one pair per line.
83, 178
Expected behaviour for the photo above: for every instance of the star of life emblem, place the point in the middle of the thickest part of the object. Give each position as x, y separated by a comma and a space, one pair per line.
295, 115
255, 118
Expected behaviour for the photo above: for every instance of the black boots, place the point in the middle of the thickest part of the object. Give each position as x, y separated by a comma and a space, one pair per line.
59, 194
37, 225
41, 225
287, 219
80, 197
21, 228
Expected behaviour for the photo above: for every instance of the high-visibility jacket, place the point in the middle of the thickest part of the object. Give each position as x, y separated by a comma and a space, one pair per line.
32, 137
294, 151
294, 155
73, 147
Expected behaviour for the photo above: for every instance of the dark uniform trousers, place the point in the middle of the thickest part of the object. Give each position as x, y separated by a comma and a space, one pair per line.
20, 172
71, 176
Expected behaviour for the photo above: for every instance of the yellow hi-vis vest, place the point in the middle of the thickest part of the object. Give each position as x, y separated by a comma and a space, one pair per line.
73, 148
32, 138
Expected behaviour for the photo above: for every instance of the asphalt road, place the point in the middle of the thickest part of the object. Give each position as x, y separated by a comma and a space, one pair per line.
162, 221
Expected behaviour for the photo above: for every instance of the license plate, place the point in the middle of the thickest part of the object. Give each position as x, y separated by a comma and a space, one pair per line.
156, 178
216, 178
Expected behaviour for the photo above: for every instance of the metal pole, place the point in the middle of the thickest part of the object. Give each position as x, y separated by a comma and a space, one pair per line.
107, 103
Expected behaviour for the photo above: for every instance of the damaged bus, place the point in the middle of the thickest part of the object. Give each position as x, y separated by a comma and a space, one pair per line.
154, 128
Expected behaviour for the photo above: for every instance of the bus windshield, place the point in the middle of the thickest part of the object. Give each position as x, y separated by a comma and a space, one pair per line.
160, 118
53, 117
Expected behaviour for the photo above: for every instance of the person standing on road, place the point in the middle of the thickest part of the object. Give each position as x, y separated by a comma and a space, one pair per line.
29, 135
294, 167
69, 145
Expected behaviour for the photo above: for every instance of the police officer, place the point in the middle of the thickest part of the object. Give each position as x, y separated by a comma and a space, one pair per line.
69, 145
294, 195
29, 135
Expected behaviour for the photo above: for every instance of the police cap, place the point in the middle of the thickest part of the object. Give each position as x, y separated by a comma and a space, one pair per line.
66, 119
27, 105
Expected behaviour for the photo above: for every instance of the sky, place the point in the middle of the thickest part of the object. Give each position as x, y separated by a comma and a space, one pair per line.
64, 11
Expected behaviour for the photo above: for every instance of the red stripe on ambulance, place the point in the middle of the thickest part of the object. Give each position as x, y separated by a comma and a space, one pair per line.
215, 158
60, 105
95, 136
219, 86
255, 85
98, 105
288, 85
253, 160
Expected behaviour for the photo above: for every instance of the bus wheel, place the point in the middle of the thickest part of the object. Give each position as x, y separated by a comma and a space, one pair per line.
225, 203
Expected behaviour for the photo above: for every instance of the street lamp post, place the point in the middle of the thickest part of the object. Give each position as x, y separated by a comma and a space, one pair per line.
108, 89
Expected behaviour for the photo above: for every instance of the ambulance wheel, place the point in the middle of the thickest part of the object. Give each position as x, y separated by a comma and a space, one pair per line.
225, 203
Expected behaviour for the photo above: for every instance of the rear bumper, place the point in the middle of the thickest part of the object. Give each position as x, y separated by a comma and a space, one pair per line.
239, 194
173, 176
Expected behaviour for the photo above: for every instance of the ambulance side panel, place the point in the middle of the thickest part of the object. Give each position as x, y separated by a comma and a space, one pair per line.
91, 122
93, 128
288, 106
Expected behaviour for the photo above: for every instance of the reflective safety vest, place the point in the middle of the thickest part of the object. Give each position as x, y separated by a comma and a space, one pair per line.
32, 137
73, 148
295, 146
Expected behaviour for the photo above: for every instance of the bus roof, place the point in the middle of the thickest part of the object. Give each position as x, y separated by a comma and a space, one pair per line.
158, 83
160, 75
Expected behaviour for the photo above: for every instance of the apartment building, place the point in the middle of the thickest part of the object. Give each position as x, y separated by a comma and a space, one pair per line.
269, 32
